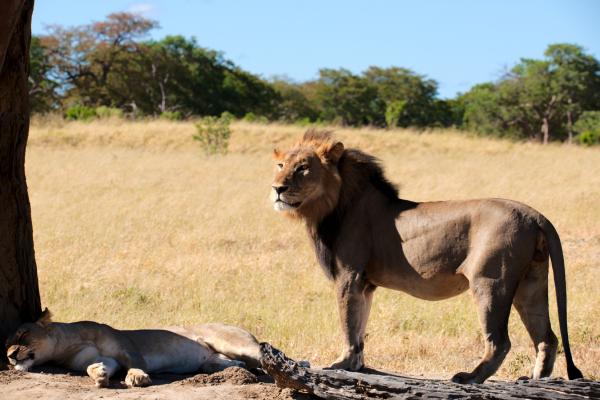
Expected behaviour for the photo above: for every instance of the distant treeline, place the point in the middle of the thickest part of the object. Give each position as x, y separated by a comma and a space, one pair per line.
109, 67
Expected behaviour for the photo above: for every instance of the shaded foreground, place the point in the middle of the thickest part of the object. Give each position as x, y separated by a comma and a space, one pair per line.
292, 382
338, 384
52, 383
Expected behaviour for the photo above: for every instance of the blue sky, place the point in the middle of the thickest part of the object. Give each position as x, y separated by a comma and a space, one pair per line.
456, 42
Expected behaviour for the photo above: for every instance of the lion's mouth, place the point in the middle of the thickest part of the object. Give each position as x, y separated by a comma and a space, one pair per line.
282, 205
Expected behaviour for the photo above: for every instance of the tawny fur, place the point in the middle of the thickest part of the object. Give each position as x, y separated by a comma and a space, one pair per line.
101, 350
365, 236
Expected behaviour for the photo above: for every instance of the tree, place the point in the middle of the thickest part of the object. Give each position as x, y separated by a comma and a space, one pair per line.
19, 294
83, 58
294, 105
177, 74
409, 98
537, 98
42, 89
576, 79
349, 99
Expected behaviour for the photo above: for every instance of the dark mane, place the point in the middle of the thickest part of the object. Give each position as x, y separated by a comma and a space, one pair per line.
358, 170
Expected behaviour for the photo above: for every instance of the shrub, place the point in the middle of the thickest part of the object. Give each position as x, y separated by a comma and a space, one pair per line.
213, 133
303, 122
172, 115
80, 113
588, 127
589, 138
108, 112
251, 117
394, 112
228, 116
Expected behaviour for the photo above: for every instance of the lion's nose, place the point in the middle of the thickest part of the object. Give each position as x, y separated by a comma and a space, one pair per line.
280, 189
12, 352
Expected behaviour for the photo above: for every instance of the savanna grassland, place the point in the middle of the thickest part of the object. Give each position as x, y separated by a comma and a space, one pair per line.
134, 226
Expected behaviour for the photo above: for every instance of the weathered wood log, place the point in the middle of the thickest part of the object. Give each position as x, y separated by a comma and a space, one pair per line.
338, 384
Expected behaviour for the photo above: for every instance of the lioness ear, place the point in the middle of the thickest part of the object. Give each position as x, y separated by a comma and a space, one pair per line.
277, 154
334, 152
45, 318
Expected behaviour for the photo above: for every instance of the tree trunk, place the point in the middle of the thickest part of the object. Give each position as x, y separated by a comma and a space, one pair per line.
545, 130
19, 294
570, 125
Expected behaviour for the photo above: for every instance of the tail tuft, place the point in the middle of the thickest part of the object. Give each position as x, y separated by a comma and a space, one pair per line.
574, 372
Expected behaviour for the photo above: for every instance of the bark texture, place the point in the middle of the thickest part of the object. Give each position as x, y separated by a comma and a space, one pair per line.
19, 294
338, 384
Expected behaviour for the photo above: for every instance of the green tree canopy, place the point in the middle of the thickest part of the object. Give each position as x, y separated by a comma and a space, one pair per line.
410, 99
537, 98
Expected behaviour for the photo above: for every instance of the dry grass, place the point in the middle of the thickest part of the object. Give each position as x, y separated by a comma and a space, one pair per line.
135, 227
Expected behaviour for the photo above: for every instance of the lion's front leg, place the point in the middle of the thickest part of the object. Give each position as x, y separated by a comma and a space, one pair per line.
354, 297
137, 378
136, 369
101, 370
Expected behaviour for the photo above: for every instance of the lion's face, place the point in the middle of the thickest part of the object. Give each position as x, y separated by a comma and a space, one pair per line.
307, 182
298, 179
28, 346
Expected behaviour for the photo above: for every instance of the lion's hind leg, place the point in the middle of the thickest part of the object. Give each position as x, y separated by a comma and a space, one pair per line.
531, 301
492, 287
218, 362
102, 370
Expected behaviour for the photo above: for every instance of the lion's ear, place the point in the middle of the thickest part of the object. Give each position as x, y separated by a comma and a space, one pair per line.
45, 318
333, 152
277, 154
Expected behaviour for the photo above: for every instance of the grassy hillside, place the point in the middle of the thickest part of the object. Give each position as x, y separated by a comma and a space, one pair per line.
135, 227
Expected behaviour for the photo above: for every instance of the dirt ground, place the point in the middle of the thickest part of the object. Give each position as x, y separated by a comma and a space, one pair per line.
52, 383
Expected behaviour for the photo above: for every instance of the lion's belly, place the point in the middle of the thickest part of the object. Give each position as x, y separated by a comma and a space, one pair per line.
438, 287
165, 351
422, 254
176, 362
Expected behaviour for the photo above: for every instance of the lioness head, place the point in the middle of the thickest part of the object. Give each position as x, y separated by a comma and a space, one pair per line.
30, 344
307, 182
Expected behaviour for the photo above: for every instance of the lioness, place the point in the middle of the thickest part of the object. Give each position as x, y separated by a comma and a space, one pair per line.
365, 236
101, 350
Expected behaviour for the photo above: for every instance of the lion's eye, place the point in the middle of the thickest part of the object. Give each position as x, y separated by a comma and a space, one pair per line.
280, 166
23, 336
302, 168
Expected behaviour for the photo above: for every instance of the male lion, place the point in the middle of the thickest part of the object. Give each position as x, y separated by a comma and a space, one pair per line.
101, 350
365, 236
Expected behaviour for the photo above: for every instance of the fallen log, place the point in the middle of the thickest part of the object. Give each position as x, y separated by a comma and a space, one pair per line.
339, 384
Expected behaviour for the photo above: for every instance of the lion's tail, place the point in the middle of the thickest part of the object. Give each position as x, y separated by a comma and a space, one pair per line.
558, 267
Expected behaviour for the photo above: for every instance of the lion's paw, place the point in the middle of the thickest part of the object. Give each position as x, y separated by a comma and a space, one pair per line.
137, 378
349, 362
99, 374
464, 378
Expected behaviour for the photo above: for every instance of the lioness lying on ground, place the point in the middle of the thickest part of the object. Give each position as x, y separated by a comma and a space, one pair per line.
101, 350
365, 236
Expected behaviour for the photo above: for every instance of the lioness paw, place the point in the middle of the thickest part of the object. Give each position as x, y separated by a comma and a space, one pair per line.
99, 374
137, 378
